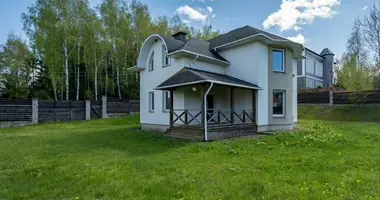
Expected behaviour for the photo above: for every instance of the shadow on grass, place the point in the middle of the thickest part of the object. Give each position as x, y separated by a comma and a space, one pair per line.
130, 140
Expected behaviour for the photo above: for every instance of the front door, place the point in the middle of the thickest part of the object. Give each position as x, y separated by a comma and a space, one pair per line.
210, 108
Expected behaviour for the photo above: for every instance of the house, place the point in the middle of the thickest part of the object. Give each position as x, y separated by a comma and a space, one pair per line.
235, 84
316, 70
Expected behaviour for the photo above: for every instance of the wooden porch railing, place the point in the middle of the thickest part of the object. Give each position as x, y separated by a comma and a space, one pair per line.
215, 117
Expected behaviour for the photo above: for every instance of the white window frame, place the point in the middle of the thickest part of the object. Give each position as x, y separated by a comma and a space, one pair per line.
151, 61
151, 101
164, 109
283, 103
283, 60
165, 56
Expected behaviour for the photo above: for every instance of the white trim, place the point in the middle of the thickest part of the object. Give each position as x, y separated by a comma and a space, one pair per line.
199, 55
256, 35
314, 78
151, 102
164, 101
283, 103
205, 110
283, 60
145, 41
207, 81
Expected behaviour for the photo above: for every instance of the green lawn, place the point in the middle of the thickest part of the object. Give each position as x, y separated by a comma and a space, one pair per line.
112, 159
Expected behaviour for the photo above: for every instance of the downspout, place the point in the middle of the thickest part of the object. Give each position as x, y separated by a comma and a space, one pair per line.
192, 62
205, 110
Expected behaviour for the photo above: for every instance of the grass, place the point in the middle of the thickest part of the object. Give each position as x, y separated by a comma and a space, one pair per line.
112, 159
340, 113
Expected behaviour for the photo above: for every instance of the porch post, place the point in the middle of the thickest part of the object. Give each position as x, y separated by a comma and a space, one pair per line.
232, 104
254, 105
171, 107
202, 106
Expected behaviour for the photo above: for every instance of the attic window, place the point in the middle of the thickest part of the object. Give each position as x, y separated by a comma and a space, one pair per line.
165, 57
151, 62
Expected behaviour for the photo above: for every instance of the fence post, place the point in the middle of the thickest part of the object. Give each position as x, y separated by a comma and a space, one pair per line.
104, 107
35, 111
331, 96
88, 109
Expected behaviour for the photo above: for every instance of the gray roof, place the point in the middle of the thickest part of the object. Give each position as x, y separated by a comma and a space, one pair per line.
205, 48
326, 52
190, 76
194, 45
238, 34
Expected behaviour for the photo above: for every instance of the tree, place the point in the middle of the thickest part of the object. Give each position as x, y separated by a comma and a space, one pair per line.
355, 79
16, 73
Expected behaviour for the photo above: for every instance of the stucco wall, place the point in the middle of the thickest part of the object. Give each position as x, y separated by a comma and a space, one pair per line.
281, 81
150, 80
250, 63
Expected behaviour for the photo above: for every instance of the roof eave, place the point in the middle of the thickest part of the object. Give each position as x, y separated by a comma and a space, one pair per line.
207, 81
226, 63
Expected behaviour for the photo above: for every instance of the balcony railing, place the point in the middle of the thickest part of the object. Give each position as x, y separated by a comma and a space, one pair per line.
214, 117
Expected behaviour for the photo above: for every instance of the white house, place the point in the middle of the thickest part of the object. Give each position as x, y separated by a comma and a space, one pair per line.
235, 84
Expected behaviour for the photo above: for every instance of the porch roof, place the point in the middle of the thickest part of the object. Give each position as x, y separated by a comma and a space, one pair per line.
189, 76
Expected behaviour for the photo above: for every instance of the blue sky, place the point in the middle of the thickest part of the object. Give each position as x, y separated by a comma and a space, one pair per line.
320, 23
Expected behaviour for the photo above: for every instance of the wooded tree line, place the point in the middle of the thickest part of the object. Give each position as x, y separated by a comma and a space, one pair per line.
77, 52
359, 68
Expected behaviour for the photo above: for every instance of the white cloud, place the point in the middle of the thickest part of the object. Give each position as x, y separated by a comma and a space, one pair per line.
365, 7
295, 13
195, 14
191, 13
299, 39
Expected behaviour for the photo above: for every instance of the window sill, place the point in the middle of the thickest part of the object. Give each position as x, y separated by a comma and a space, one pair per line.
151, 111
279, 116
163, 66
281, 72
166, 111
150, 70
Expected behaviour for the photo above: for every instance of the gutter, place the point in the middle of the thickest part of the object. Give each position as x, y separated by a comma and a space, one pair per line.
205, 110
192, 62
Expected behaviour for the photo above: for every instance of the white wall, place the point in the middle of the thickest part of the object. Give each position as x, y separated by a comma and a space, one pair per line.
150, 80
250, 63
295, 92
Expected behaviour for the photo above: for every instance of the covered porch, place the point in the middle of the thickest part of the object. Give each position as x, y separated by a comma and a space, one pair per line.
210, 106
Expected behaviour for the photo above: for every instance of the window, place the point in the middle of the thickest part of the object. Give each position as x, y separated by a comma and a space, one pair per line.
310, 66
151, 62
165, 57
318, 84
278, 103
151, 101
310, 83
278, 61
166, 101
319, 69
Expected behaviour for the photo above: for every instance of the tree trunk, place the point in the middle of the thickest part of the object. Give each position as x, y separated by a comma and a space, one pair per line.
106, 82
78, 72
66, 68
118, 81
96, 83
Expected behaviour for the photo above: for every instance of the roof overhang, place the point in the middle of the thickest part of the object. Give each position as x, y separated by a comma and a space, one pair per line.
183, 52
296, 47
136, 68
206, 81
190, 76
